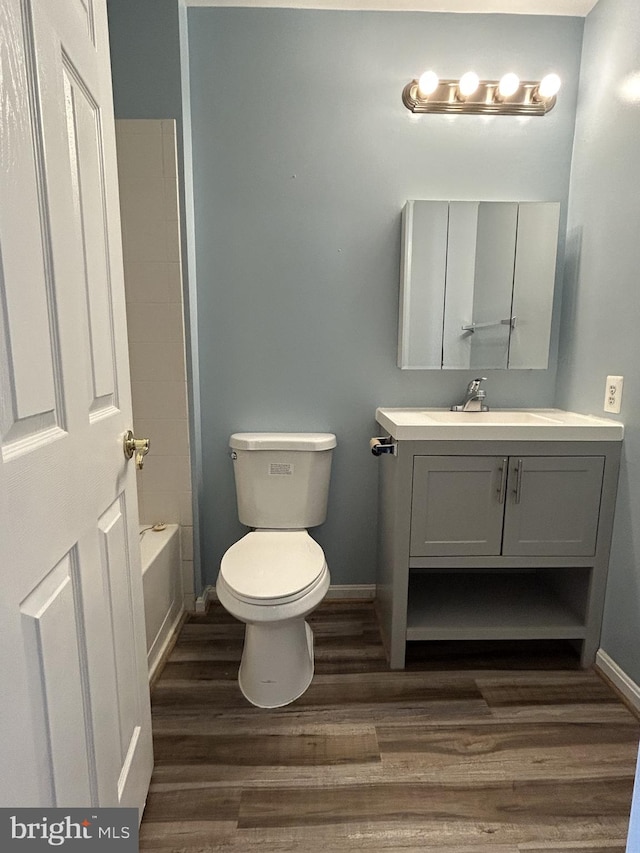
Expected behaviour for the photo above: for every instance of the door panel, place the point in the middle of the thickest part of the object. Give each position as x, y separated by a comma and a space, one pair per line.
553, 505
493, 283
422, 282
85, 156
84, 10
456, 507
53, 656
31, 411
117, 578
533, 284
77, 729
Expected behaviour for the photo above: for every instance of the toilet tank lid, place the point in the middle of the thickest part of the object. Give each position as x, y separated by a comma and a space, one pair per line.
282, 441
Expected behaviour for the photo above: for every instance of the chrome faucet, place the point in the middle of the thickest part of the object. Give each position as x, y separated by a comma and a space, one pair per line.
474, 398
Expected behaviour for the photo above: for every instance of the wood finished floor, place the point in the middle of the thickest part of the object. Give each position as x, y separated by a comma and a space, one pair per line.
511, 749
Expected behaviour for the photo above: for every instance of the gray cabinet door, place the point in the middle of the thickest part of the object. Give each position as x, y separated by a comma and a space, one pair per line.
553, 504
457, 507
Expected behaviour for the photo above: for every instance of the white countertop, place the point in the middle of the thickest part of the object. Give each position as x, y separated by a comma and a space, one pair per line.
423, 424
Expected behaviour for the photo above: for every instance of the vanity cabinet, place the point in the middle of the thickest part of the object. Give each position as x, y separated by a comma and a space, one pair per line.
515, 506
494, 540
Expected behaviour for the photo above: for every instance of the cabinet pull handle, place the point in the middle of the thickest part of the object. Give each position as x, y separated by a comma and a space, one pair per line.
471, 327
518, 488
504, 467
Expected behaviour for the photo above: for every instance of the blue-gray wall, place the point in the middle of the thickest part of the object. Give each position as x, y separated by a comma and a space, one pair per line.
303, 157
145, 58
601, 310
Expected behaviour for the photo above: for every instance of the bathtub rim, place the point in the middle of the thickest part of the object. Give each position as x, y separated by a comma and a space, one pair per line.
152, 542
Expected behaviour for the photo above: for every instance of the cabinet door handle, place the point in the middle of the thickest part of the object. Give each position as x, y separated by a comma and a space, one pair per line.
504, 468
518, 488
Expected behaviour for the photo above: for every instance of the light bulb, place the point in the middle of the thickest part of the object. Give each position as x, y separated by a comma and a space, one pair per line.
508, 85
469, 82
427, 84
549, 86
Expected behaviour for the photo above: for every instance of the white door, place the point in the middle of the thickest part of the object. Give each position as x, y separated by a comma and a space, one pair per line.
75, 726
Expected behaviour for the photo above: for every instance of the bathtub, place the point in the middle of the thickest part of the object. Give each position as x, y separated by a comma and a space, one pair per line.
162, 587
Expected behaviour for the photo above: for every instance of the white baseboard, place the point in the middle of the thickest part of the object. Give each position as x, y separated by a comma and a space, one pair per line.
356, 591
618, 677
202, 601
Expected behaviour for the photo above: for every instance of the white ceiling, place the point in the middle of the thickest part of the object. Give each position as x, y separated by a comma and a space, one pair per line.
576, 8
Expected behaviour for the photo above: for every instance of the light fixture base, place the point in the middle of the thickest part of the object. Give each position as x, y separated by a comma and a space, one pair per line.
486, 100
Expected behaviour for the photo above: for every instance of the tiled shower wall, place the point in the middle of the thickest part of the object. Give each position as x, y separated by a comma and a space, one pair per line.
153, 285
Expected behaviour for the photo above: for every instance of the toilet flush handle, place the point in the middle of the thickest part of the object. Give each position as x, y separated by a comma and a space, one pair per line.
139, 446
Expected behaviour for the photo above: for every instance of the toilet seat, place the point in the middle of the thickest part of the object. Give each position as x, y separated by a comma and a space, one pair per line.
272, 567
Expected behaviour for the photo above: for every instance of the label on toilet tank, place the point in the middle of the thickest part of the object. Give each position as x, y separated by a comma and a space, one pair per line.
280, 469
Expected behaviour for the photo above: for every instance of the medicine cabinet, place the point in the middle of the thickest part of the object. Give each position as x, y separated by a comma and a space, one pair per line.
476, 284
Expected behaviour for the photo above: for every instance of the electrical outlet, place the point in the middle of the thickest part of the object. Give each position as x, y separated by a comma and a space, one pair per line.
613, 394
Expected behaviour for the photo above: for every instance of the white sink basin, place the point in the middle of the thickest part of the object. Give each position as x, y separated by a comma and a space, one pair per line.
497, 425
505, 417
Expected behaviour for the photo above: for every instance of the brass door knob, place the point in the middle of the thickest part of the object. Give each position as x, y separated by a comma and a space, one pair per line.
139, 446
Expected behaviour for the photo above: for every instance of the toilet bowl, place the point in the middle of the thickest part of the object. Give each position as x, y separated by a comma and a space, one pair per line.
271, 580
277, 574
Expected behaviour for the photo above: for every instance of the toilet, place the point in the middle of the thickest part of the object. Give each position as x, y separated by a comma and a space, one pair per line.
274, 576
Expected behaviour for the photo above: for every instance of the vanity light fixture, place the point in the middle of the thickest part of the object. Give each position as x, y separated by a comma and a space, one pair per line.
469, 94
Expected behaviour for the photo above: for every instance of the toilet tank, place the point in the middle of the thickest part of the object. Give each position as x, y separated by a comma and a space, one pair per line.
282, 479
